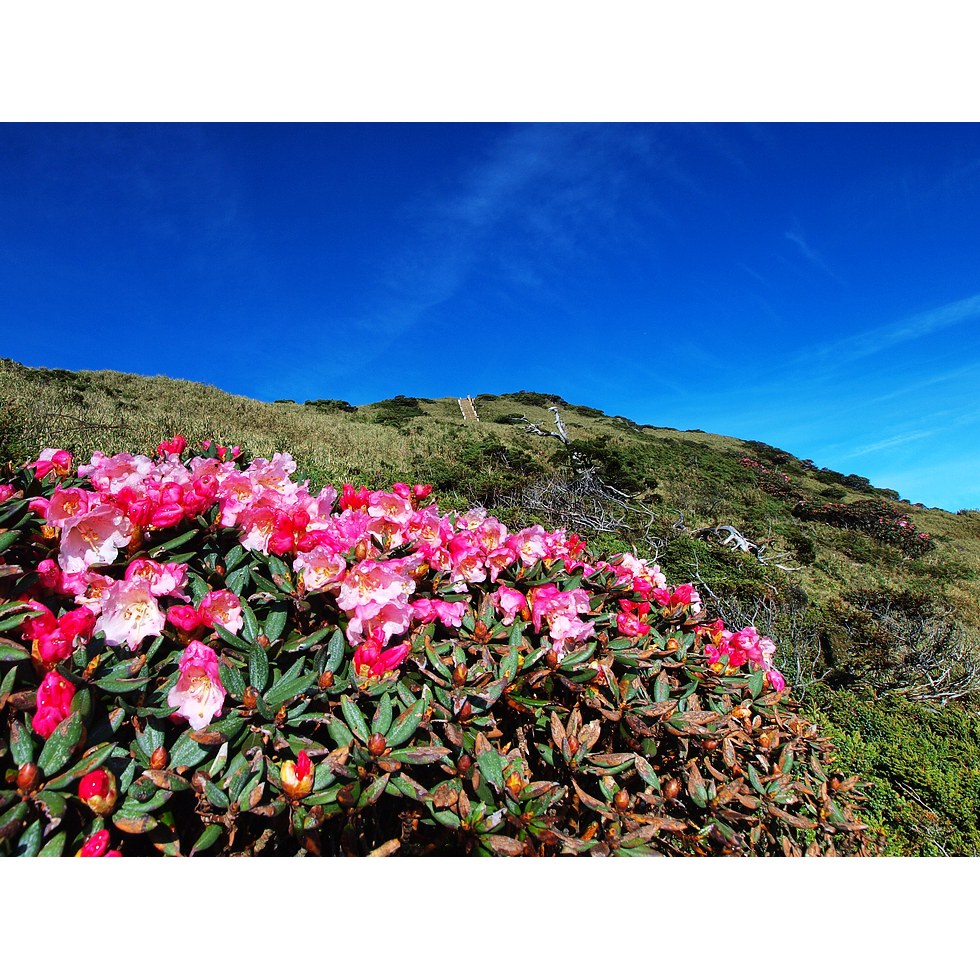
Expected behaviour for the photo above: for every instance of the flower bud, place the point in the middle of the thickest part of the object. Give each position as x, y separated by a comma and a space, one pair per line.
551, 658
159, 758
361, 551
573, 744
199, 782
262, 640
326, 680
281, 716
27, 777
671, 789
459, 674
672, 645
250, 698
377, 745
464, 765
465, 711
621, 800
297, 777
98, 791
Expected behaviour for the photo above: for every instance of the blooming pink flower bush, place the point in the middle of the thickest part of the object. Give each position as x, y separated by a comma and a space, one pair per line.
181, 636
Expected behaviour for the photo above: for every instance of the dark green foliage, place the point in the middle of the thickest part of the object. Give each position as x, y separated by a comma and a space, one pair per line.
397, 411
331, 405
535, 399
923, 782
625, 466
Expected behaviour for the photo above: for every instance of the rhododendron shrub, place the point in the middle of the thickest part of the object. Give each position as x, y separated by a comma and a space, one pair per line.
201, 655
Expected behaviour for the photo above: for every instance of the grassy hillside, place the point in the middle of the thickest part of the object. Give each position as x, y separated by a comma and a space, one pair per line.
873, 601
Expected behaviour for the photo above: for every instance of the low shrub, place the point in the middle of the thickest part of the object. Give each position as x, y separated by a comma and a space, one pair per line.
200, 657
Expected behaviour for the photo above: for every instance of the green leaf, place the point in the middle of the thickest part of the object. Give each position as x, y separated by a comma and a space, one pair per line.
216, 797
30, 840
6, 540
275, 623
297, 641
238, 579
89, 763
405, 725
286, 682
489, 762
661, 688
21, 744
186, 752
10, 821
172, 544
258, 668
210, 834
121, 684
60, 745
54, 847
235, 557
647, 772
339, 733
250, 625
756, 681
754, 781
335, 651
356, 720
10, 652
381, 721
232, 640
232, 680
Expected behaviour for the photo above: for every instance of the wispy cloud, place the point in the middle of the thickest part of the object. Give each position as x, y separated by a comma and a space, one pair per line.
889, 443
912, 328
812, 255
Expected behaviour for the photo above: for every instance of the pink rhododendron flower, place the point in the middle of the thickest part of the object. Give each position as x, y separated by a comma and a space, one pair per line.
94, 538
38, 626
163, 580
510, 603
319, 568
186, 618
53, 703
130, 614
371, 661
371, 585
222, 607
97, 846
448, 613
68, 502
59, 460
6, 492
175, 445
198, 694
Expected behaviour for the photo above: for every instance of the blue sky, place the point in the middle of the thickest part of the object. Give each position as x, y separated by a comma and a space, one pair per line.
815, 286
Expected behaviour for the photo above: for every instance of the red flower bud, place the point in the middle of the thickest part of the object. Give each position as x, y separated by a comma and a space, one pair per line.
159, 758
297, 777
377, 745
98, 791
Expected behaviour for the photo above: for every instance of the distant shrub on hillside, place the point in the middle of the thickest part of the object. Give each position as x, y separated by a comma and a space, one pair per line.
536, 398
398, 410
330, 405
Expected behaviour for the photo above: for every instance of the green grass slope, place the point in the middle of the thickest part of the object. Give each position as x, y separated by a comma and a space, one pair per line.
877, 632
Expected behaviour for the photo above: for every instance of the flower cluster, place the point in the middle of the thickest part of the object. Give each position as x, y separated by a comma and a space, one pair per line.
200, 593
877, 519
